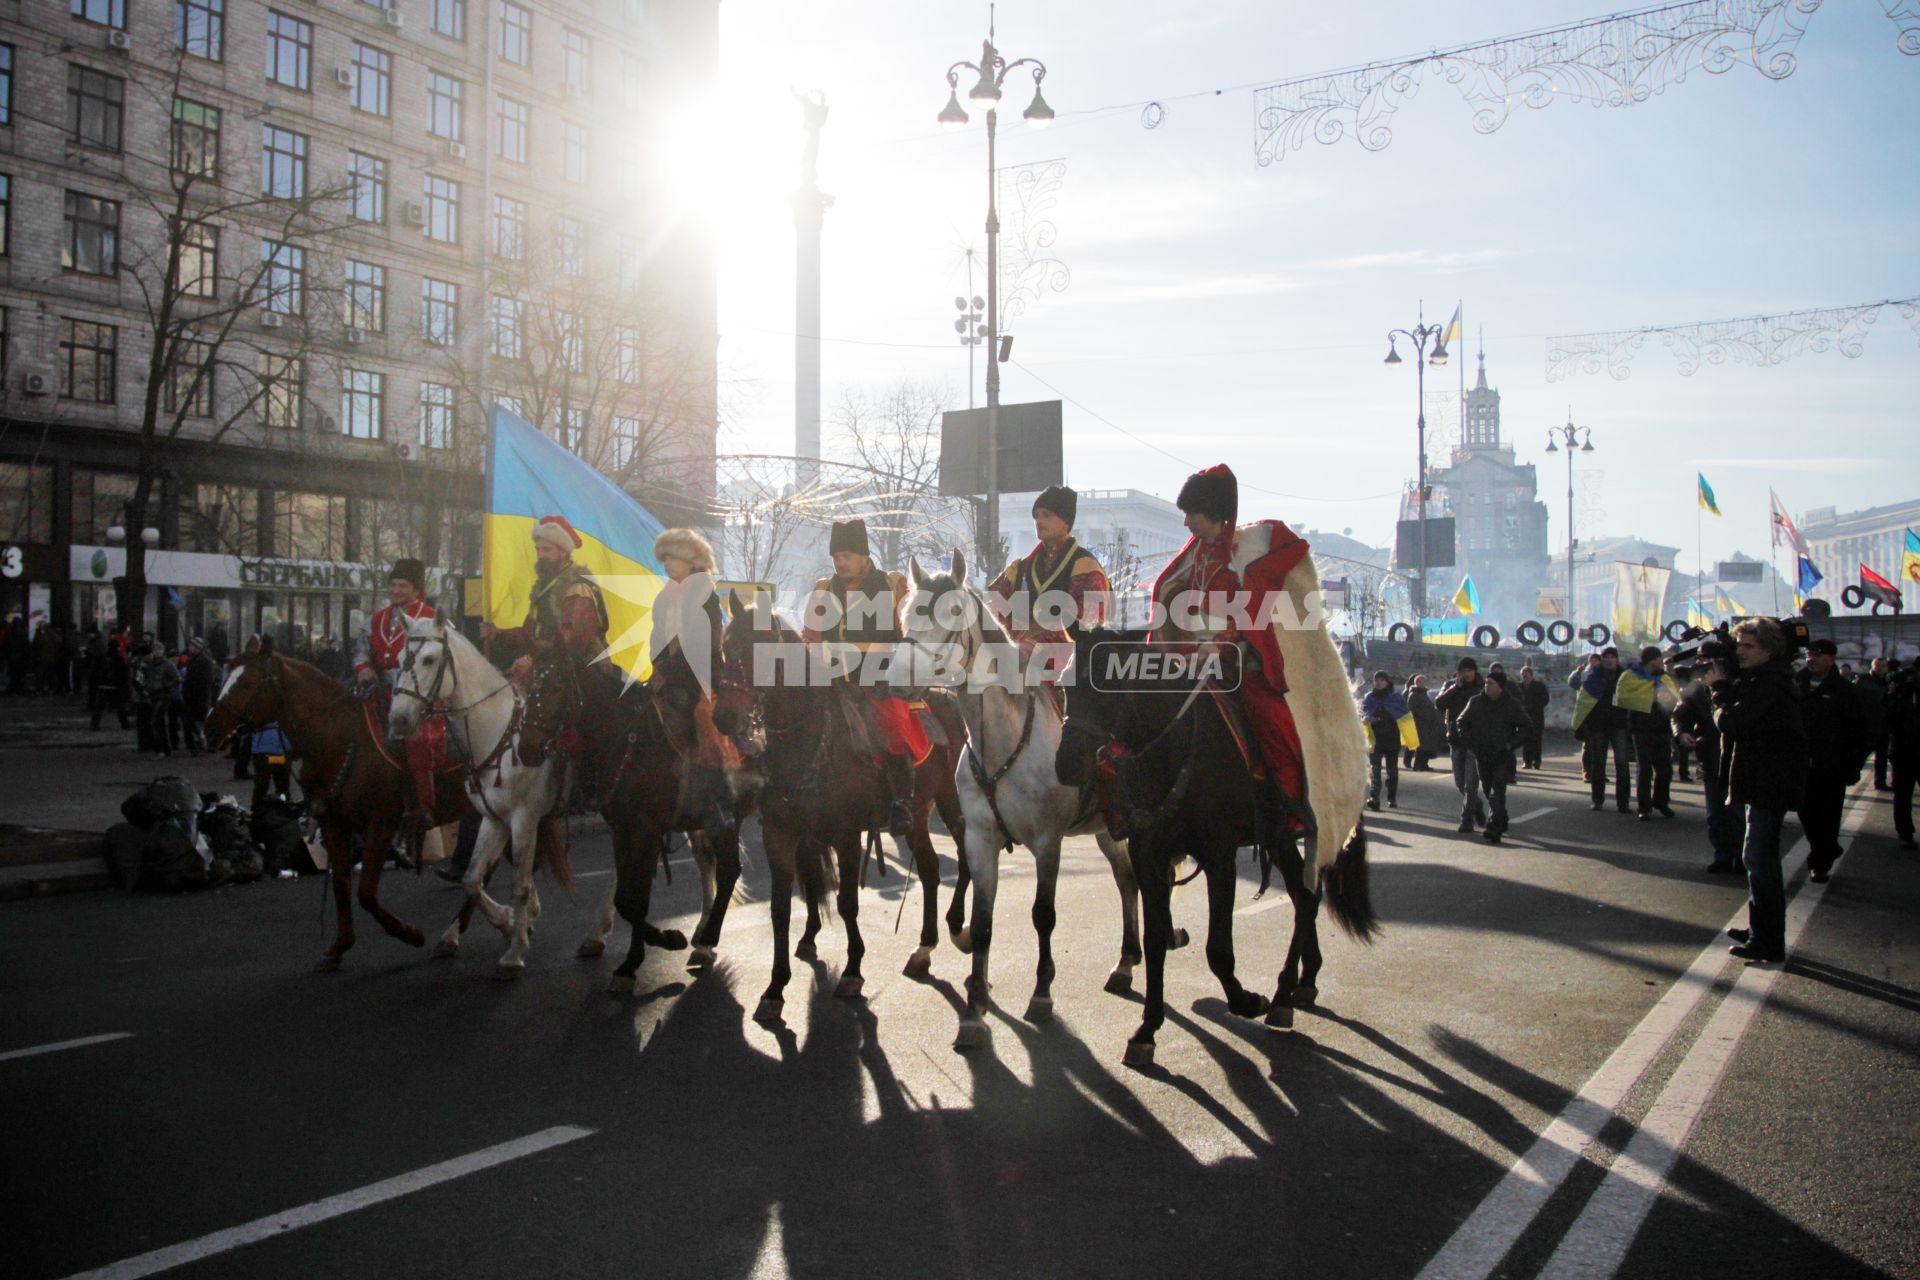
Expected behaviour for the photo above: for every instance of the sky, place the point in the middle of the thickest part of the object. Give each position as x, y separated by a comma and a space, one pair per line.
1219, 310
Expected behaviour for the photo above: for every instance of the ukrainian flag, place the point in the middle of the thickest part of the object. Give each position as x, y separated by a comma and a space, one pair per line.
1910, 558
1696, 616
1707, 502
1724, 603
529, 476
1639, 688
1448, 631
1467, 598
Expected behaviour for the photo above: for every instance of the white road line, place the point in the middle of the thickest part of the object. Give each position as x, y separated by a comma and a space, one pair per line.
1598, 1241
1529, 817
267, 1228
588, 875
58, 1045
1266, 904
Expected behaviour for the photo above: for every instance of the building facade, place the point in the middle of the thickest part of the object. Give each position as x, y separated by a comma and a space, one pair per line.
1842, 541
264, 267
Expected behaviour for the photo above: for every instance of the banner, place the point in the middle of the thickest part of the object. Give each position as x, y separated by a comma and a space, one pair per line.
1638, 592
1783, 530
1910, 559
1448, 631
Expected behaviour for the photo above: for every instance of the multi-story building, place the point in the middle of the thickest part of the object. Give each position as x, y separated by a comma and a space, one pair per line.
1842, 541
265, 263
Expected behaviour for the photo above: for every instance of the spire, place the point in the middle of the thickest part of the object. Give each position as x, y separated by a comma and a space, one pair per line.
1481, 383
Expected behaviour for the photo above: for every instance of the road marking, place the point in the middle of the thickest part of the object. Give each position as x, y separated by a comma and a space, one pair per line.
58, 1045
307, 1215
588, 875
1529, 817
1254, 909
1598, 1241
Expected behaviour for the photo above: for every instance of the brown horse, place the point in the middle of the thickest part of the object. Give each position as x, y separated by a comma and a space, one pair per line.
822, 791
356, 781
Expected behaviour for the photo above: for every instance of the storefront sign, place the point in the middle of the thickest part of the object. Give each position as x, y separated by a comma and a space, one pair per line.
195, 569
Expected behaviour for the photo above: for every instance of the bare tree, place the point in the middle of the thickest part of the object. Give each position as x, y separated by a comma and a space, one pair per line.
894, 435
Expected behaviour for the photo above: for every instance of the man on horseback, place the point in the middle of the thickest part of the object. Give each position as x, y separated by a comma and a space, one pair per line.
1227, 573
378, 670
852, 613
565, 630
1032, 594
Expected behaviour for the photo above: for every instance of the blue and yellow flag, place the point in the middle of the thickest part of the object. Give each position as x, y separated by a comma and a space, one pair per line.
1451, 334
1639, 688
1707, 502
1467, 599
1725, 604
1447, 631
530, 476
1910, 560
1696, 616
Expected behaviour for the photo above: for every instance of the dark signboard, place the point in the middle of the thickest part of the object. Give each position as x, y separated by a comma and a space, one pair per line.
1406, 543
1740, 571
1030, 457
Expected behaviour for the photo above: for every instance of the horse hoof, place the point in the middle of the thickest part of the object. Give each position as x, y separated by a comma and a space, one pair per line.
971, 1036
1040, 1009
1303, 997
700, 958
770, 1010
1256, 1005
671, 940
447, 948
622, 984
1180, 939
326, 964
919, 964
504, 972
592, 947
412, 936
964, 940
806, 951
1121, 979
1280, 1015
849, 988
1139, 1053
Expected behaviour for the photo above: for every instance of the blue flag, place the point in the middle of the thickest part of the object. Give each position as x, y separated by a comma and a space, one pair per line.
1809, 576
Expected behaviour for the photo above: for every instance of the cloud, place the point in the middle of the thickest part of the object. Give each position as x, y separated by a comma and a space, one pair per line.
1456, 260
1825, 465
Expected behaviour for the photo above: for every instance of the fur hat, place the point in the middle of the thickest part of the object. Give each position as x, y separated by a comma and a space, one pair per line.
1213, 493
685, 544
410, 570
849, 535
1058, 499
556, 532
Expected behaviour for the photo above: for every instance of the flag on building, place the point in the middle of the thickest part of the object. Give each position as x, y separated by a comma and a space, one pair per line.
529, 476
1466, 601
1451, 334
1783, 530
1878, 589
1639, 590
1910, 559
1707, 502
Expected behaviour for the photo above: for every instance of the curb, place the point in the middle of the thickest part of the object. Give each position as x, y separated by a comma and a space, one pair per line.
43, 879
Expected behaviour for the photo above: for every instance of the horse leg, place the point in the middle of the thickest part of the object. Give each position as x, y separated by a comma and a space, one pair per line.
851, 849
636, 857
339, 844
487, 847
1156, 903
1121, 979
380, 839
702, 864
1046, 858
720, 873
595, 943
808, 948
526, 833
927, 863
1221, 880
948, 803
449, 942
1288, 992
983, 860
781, 847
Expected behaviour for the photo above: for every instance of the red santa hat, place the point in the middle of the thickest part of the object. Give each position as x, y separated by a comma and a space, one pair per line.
556, 532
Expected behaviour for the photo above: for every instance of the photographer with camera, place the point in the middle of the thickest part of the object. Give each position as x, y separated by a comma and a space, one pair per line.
1837, 746
1763, 742
1601, 725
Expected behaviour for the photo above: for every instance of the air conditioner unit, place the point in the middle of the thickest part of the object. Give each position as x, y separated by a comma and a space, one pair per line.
395, 20
271, 319
343, 76
457, 150
119, 40
36, 384
414, 214
406, 451
356, 335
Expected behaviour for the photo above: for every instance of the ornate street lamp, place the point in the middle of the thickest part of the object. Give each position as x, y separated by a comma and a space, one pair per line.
1418, 336
1570, 435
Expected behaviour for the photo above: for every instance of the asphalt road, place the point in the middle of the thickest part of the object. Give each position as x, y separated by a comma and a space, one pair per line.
1757, 1130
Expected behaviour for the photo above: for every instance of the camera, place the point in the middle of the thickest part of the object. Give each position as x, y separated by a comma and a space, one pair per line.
1698, 645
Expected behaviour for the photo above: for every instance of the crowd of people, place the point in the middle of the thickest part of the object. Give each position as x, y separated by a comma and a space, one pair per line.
1769, 739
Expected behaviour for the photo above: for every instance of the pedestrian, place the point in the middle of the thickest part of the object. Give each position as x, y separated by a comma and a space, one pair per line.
1903, 746
1694, 729
1466, 767
1427, 725
1534, 697
1837, 747
271, 770
199, 682
156, 677
1492, 726
1871, 685
1763, 742
1384, 710
1602, 725
18, 647
46, 654
1648, 696
70, 648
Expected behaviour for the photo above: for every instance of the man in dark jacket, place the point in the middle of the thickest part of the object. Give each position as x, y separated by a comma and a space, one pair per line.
1466, 768
1427, 724
1493, 724
1534, 697
1763, 742
1871, 686
1381, 711
199, 682
1695, 730
1603, 727
158, 678
1903, 747
1837, 747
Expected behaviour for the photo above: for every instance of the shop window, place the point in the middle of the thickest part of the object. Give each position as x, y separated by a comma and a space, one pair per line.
309, 526
26, 502
99, 502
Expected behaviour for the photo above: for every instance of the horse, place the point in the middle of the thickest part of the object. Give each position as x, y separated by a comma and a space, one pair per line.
359, 787
1007, 788
444, 674
821, 791
1188, 787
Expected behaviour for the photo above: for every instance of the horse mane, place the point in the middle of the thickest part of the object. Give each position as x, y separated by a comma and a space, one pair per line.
991, 628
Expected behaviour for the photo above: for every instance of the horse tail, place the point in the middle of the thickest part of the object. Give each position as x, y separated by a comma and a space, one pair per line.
819, 873
1345, 888
550, 849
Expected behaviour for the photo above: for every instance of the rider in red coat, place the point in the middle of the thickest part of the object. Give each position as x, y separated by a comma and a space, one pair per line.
385, 648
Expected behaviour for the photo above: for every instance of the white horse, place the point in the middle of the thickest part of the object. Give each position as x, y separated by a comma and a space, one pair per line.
1007, 786
444, 673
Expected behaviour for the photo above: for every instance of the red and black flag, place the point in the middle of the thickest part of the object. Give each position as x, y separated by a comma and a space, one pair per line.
1876, 588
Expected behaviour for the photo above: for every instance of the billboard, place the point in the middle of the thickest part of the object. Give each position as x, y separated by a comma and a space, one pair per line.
1030, 455
1740, 571
1406, 543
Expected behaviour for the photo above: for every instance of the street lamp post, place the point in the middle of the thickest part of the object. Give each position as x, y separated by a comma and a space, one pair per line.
992, 70
1570, 435
1418, 336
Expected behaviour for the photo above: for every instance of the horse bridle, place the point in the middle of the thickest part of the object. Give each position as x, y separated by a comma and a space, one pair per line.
432, 696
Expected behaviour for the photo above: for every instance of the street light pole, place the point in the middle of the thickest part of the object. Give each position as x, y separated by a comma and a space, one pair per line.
1570, 435
1418, 336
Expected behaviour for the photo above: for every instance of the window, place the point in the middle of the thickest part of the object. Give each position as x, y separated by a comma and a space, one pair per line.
100, 501
633, 77
283, 163
283, 390
26, 503
443, 209
190, 379
283, 278
626, 441
506, 327
199, 27
573, 342
196, 139
108, 13
436, 416
509, 228
366, 296
572, 430
363, 395
439, 311
93, 235
572, 234
199, 273
95, 107
626, 354
510, 129
88, 355
573, 151
578, 51
6, 84
6, 226
309, 526
289, 51
449, 18
516, 34
366, 187
372, 80
629, 255
443, 106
